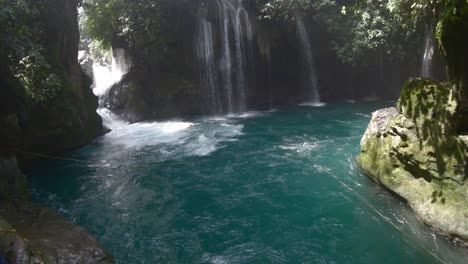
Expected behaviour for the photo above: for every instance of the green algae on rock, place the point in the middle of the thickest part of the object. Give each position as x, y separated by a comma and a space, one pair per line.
416, 152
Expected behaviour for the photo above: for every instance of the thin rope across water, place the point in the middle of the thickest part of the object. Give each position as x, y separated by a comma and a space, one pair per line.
104, 163
322, 169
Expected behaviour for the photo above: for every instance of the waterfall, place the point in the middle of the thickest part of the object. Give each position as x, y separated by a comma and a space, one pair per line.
429, 46
120, 63
311, 81
206, 59
104, 76
226, 61
268, 61
224, 80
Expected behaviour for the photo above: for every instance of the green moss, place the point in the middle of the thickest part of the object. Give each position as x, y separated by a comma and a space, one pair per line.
416, 152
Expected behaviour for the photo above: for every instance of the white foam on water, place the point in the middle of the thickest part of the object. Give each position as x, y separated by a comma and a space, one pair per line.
209, 136
301, 148
313, 104
168, 139
232, 116
148, 134
110, 120
249, 114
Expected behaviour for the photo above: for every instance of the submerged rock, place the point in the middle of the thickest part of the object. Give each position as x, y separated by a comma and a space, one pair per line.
415, 151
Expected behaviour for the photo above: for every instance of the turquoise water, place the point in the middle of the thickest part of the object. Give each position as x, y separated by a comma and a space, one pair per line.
263, 187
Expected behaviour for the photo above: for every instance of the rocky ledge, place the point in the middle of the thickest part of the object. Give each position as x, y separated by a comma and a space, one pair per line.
31, 233
416, 151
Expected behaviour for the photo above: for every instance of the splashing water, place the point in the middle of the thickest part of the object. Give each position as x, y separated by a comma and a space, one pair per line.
104, 76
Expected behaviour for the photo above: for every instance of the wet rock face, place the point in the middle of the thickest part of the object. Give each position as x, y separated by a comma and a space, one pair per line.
136, 99
69, 119
32, 234
42, 236
415, 151
12, 181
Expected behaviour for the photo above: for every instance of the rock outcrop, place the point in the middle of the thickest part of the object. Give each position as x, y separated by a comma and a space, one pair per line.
138, 97
31, 233
40, 235
416, 151
69, 119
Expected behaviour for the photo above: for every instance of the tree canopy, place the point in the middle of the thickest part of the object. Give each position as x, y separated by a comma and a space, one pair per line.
22, 54
359, 27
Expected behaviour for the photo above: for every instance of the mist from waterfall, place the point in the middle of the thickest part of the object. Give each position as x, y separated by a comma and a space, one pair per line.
223, 78
429, 48
307, 58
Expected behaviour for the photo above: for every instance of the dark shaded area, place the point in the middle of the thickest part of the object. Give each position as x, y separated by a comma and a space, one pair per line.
69, 119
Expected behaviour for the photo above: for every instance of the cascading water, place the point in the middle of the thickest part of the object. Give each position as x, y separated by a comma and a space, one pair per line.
225, 93
206, 59
104, 76
429, 47
268, 61
311, 81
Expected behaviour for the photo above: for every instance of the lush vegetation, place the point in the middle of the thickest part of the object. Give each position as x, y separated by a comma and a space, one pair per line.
22, 53
141, 26
362, 29
363, 26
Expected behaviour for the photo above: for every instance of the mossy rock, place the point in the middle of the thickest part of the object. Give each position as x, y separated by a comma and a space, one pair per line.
415, 151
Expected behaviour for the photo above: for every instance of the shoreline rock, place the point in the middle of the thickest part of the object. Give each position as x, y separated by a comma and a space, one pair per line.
43, 236
416, 152
31, 233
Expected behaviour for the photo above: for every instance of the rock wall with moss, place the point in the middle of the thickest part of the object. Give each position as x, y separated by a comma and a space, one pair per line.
36, 117
67, 118
419, 150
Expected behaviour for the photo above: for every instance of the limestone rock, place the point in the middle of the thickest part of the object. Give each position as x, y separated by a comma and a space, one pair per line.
416, 152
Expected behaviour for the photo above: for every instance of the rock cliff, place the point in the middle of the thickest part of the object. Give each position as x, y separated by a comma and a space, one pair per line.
30, 233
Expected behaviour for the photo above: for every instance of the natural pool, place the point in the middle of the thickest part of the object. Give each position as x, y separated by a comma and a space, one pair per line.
262, 187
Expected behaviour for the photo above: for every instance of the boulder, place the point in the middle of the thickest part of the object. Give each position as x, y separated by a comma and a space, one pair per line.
415, 151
